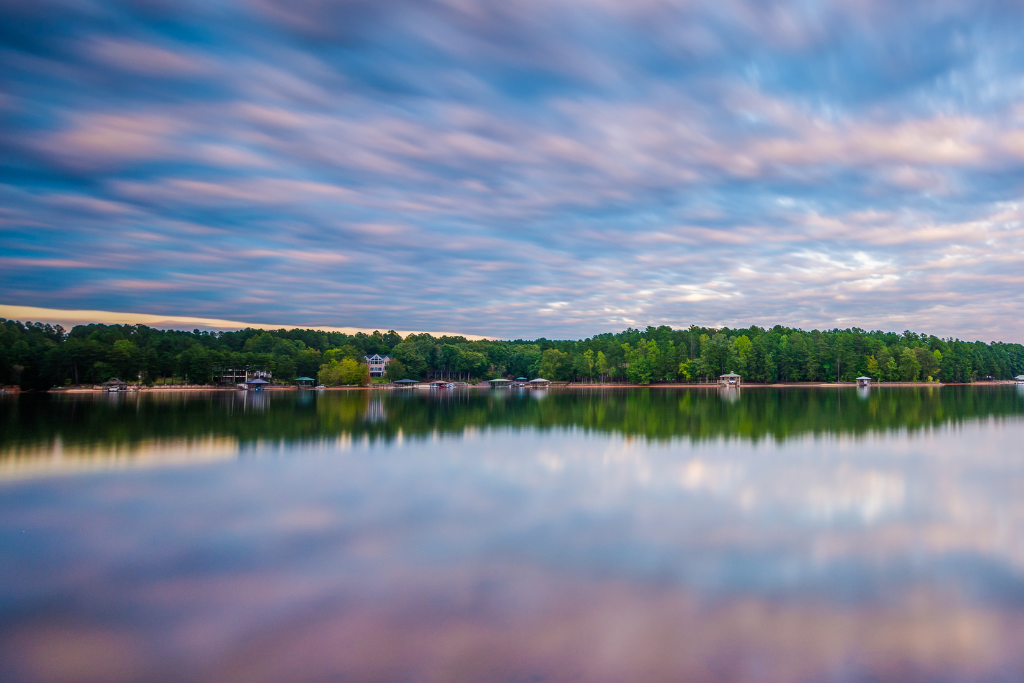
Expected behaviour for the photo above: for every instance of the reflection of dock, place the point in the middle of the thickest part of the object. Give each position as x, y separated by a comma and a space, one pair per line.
729, 393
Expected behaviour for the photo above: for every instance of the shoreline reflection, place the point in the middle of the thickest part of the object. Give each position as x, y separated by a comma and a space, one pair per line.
595, 538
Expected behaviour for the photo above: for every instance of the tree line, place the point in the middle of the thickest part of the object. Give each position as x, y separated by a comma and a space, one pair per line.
40, 356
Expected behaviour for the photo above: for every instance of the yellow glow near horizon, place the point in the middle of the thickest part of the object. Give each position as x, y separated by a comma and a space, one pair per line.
70, 318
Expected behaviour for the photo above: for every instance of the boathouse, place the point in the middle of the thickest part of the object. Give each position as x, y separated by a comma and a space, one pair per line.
730, 379
863, 381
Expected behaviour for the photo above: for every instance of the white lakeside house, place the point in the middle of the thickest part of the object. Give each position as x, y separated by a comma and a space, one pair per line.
378, 364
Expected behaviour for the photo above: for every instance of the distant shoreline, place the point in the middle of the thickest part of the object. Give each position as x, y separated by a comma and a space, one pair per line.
179, 388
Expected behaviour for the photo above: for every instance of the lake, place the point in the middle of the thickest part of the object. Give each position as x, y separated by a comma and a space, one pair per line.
789, 535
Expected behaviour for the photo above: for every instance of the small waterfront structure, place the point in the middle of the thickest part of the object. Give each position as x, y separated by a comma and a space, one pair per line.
1019, 379
539, 383
242, 375
115, 385
730, 379
863, 381
255, 384
305, 381
405, 383
499, 382
378, 364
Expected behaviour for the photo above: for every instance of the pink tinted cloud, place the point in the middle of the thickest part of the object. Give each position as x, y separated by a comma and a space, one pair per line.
99, 140
140, 57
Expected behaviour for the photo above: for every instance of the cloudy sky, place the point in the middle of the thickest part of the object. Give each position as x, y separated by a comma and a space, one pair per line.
517, 168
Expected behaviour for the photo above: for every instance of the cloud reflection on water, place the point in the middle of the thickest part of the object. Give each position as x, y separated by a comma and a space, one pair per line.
516, 553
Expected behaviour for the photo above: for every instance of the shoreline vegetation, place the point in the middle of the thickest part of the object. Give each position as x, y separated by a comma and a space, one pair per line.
554, 385
41, 357
560, 386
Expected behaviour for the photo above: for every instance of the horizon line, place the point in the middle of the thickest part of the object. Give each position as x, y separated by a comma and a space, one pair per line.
70, 317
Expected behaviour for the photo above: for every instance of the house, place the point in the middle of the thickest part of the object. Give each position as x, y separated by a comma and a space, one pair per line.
730, 379
242, 375
378, 364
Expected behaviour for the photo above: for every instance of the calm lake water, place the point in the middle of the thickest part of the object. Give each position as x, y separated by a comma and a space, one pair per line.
619, 535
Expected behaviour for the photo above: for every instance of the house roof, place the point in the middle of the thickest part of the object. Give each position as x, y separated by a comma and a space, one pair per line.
499, 380
112, 382
730, 374
257, 381
863, 377
405, 381
304, 379
539, 379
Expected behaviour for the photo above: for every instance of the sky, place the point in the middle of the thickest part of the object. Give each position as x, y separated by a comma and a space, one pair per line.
522, 168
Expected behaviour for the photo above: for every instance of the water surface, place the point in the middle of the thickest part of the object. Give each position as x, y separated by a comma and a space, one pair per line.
621, 535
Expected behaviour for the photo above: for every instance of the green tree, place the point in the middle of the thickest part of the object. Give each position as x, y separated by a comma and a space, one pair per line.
411, 358
883, 358
126, 359
354, 373
589, 363
910, 367
330, 373
873, 369
641, 360
715, 354
555, 365
743, 348
396, 370
892, 372
929, 361
196, 364
348, 372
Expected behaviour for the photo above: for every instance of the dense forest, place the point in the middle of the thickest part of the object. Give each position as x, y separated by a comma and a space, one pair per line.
40, 356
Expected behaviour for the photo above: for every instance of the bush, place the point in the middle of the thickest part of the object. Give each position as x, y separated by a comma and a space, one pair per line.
346, 372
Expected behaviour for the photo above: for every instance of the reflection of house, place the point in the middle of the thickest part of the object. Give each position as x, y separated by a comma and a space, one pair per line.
242, 376
730, 379
378, 364
375, 411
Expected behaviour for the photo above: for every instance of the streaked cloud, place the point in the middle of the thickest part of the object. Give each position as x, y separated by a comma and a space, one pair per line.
461, 165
